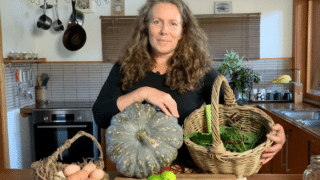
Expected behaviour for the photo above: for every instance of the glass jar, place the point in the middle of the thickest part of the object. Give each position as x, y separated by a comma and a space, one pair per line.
287, 95
253, 94
242, 96
23, 55
263, 94
269, 95
35, 56
277, 95
313, 170
18, 56
28, 56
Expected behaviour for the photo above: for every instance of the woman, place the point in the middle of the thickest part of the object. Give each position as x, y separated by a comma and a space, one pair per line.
166, 63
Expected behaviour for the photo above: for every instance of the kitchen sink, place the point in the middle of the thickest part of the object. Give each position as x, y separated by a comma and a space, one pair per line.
300, 114
311, 123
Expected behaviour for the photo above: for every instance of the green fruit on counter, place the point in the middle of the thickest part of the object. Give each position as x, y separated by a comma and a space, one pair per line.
168, 175
154, 177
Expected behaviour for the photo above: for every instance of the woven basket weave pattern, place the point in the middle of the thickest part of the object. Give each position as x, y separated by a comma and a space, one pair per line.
46, 169
217, 159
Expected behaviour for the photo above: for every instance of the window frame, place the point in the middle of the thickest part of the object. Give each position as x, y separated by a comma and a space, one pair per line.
301, 45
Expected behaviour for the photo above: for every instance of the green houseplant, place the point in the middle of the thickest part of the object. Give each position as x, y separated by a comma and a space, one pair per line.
242, 77
231, 63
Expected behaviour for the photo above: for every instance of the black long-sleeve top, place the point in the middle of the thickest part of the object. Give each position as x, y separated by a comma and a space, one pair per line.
106, 107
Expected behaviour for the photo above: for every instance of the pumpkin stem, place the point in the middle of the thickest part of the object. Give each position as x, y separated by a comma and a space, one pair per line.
141, 134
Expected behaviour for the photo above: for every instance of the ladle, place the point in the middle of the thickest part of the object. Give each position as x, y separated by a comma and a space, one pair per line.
57, 24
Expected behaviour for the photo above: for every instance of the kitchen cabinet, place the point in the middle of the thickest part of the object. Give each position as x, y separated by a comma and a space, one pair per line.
314, 149
266, 169
295, 154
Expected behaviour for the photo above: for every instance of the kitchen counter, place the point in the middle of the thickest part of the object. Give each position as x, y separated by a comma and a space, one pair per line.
28, 110
25, 174
291, 106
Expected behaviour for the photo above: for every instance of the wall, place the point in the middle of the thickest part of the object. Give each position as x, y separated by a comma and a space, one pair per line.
20, 33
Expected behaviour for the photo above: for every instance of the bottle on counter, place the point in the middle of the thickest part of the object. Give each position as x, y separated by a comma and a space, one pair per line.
259, 97
276, 95
263, 94
313, 170
287, 95
269, 95
282, 95
254, 95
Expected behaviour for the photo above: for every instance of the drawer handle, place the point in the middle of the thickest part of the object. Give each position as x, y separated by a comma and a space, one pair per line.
66, 126
287, 153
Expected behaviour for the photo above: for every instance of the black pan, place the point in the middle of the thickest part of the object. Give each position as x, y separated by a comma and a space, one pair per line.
75, 36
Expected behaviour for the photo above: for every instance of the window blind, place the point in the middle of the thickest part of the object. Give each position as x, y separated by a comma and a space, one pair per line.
240, 32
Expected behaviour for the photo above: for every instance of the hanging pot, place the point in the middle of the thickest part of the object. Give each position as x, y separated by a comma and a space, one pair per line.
57, 24
44, 21
75, 36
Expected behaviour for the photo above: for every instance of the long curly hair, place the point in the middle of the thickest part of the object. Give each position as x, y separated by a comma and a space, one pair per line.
187, 66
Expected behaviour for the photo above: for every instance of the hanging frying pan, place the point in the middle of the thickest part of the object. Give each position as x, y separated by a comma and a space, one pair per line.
74, 37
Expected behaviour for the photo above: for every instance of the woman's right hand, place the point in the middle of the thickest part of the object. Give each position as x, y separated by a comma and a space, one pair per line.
161, 99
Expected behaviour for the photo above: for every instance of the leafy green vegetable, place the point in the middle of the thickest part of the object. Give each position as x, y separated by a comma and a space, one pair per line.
233, 137
200, 138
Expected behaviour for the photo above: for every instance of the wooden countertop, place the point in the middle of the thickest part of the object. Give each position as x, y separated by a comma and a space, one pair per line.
25, 174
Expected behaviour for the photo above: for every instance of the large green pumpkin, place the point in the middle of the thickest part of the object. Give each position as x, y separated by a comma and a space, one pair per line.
141, 140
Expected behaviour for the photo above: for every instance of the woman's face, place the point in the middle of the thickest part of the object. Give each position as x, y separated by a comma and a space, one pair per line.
165, 29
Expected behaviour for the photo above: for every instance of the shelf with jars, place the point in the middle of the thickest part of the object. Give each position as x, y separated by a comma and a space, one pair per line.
23, 61
276, 86
23, 58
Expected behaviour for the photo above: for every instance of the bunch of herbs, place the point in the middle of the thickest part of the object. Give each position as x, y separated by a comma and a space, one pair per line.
232, 135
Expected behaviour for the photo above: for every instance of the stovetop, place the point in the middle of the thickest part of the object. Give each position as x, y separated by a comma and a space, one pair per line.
67, 105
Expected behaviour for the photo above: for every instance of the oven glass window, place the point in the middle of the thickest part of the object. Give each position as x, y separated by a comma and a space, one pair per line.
49, 137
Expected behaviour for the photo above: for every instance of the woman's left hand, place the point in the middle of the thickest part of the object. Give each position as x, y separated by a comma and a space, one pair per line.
279, 138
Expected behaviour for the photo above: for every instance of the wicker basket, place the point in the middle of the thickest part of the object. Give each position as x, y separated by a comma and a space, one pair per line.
217, 159
47, 168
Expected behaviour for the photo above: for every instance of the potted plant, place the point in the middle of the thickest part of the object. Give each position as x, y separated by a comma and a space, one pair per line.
241, 77
231, 63
244, 79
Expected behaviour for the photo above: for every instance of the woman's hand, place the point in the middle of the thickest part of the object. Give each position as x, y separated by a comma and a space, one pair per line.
279, 140
161, 99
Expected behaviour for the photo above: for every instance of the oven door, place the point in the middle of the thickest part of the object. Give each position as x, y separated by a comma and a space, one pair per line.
50, 136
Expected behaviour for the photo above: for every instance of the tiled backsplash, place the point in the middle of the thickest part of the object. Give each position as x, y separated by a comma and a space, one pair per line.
68, 82
83, 81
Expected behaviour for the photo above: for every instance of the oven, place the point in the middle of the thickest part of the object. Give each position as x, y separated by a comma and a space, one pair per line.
58, 122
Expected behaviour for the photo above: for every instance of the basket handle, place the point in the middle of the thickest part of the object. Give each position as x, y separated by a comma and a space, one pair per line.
230, 100
68, 143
